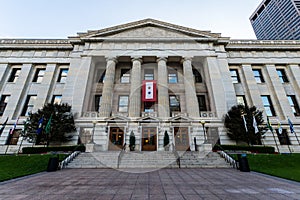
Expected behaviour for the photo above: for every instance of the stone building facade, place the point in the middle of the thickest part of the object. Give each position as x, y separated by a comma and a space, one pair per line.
194, 76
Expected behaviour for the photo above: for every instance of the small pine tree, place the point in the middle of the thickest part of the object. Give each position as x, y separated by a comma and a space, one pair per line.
132, 141
236, 130
166, 139
62, 123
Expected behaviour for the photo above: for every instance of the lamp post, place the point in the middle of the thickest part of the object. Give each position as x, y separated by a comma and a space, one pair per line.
92, 139
203, 126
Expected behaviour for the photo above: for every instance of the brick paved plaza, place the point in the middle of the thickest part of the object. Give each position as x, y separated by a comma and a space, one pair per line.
160, 184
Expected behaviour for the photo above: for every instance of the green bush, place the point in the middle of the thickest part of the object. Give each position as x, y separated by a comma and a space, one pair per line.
38, 150
253, 149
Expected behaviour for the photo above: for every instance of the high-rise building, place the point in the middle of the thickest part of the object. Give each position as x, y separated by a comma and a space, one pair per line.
150, 77
277, 20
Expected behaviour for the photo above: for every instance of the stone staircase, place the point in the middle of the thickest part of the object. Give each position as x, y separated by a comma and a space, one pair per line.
190, 159
143, 160
153, 159
105, 159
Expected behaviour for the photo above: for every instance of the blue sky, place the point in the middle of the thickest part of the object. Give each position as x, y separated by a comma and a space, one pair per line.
63, 18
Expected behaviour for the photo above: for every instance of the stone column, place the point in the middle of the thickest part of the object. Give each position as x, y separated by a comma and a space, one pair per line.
190, 90
162, 85
135, 88
108, 86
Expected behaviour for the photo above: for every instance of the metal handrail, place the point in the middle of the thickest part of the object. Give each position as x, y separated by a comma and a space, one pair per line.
121, 155
228, 159
67, 160
176, 155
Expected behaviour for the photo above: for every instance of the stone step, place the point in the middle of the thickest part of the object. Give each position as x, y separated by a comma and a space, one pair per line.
147, 160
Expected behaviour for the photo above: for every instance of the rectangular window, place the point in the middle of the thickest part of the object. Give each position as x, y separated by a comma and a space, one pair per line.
283, 137
3, 102
149, 74
123, 103
241, 100
268, 105
282, 75
234, 76
294, 105
15, 73
39, 75
172, 75
201, 103
63, 73
174, 104
125, 76
97, 102
102, 77
28, 106
56, 99
258, 76
197, 76
149, 106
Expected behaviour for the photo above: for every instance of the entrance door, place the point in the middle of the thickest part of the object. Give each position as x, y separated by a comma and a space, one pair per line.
181, 138
149, 139
116, 139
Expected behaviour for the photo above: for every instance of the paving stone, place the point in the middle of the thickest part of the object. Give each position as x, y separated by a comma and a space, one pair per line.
161, 184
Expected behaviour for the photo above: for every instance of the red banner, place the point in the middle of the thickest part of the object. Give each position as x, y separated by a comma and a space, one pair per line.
149, 91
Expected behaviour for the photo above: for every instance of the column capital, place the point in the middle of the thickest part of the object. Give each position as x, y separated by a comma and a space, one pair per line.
184, 59
136, 58
161, 59
111, 58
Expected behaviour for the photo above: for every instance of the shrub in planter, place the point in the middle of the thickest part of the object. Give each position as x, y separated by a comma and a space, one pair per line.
166, 140
132, 141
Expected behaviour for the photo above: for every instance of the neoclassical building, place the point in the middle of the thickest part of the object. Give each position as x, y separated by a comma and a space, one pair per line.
150, 77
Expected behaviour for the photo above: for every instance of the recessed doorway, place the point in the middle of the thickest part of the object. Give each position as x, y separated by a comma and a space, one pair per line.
149, 142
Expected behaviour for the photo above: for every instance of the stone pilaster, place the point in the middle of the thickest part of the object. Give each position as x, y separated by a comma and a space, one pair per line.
281, 104
190, 90
251, 88
135, 88
108, 86
45, 87
162, 85
18, 94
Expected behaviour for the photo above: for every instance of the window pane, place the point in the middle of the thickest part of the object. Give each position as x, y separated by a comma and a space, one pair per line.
234, 76
241, 100
149, 74
63, 75
123, 103
125, 75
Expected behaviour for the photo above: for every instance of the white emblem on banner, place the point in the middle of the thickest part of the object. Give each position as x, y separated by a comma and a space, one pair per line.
149, 90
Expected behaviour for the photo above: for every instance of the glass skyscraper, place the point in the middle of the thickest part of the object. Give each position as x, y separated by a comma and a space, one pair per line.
277, 20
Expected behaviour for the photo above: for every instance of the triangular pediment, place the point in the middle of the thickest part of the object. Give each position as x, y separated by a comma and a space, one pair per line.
148, 118
180, 118
148, 28
117, 118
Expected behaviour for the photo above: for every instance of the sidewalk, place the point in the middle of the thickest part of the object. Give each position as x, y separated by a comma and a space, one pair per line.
162, 184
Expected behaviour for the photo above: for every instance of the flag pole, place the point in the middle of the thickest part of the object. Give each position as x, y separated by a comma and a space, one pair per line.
271, 129
275, 141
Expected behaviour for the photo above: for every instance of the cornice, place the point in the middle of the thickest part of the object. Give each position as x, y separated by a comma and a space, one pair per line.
263, 45
35, 44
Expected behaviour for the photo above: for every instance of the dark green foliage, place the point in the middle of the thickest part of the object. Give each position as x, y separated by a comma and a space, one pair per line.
166, 139
132, 141
234, 123
35, 150
253, 149
62, 122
